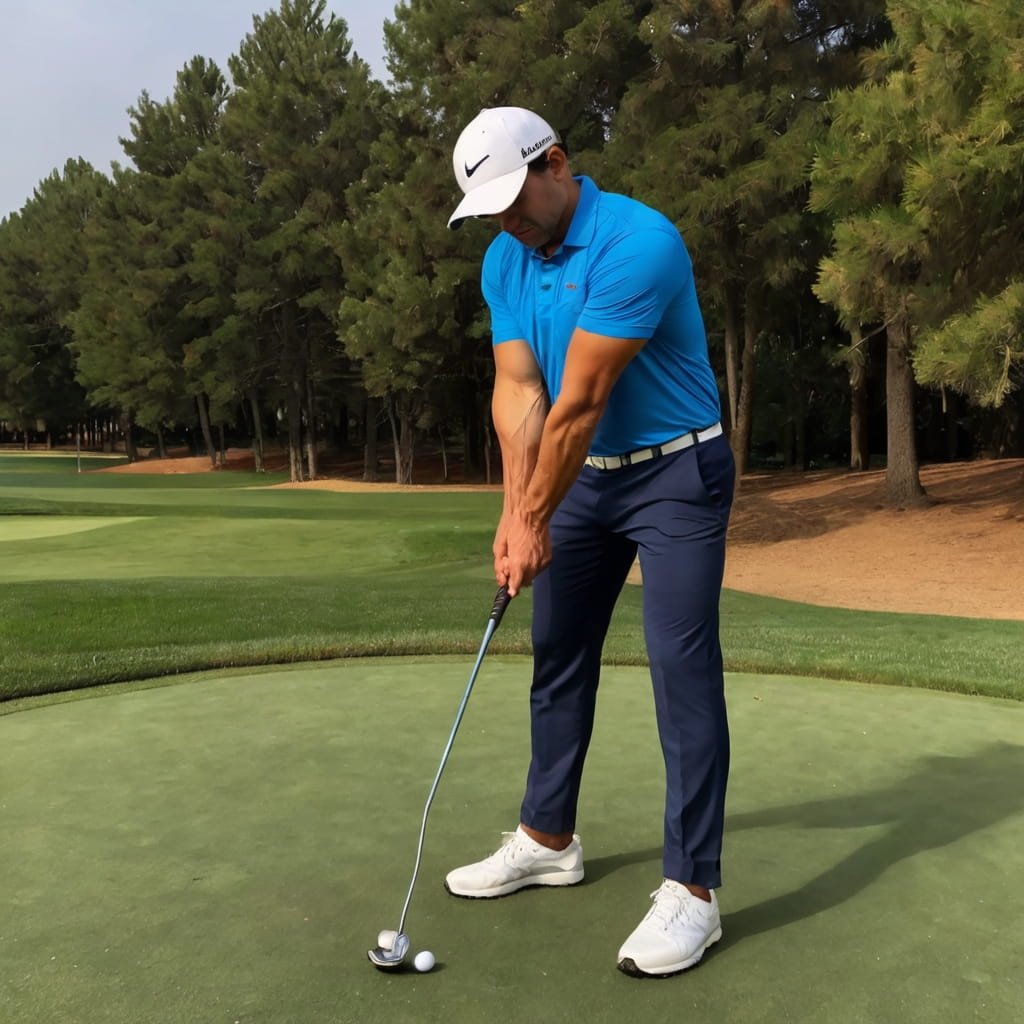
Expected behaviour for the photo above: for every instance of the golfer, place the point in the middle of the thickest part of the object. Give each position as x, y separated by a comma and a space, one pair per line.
607, 412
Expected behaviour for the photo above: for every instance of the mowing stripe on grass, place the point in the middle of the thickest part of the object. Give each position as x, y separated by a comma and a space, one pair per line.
207, 571
22, 528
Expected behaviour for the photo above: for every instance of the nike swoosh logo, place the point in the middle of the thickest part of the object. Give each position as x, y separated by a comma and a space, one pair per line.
470, 171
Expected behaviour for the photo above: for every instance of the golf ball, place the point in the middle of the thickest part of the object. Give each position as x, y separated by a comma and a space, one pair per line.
424, 961
386, 939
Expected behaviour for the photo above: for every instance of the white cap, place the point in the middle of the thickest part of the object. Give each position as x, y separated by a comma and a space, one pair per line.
490, 159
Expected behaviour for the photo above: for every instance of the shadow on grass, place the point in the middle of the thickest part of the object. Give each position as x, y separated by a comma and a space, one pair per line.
944, 800
600, 867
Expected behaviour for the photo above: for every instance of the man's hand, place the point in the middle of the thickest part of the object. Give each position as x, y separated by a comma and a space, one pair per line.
543, 449
527, 552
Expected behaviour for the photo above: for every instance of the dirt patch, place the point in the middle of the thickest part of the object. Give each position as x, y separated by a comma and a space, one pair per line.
827, 538
337, 474
179, 461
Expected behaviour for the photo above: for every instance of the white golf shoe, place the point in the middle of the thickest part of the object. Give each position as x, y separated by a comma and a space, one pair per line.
518, 863
674, 935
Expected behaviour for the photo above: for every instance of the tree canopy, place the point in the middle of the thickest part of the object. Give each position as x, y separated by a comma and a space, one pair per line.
273, 256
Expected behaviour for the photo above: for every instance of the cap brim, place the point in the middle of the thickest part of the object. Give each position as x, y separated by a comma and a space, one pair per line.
491, 197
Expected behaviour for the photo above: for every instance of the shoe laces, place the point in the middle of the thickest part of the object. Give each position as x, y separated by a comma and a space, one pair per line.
510, 848
670, 904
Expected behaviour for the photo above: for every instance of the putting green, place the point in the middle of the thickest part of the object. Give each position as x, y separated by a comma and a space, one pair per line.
19, 528
226, 848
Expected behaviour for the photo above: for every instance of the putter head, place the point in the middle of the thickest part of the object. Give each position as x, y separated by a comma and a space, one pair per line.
385, 959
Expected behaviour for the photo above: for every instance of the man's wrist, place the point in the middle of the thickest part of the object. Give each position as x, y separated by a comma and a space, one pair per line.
531, 516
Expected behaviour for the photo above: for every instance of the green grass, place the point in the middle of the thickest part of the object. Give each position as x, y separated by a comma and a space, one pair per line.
183, 573
227, 850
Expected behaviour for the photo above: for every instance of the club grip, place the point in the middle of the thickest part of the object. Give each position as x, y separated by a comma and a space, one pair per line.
501, 600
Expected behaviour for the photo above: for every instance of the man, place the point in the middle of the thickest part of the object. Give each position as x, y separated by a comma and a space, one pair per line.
607, 412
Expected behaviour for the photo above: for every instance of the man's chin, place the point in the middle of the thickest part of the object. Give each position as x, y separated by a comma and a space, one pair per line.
530, 237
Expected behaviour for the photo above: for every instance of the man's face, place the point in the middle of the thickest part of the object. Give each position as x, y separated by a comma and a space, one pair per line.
535, 218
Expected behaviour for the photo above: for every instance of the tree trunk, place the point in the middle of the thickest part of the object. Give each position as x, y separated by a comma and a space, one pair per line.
311, 437
296, 405
202, 404
902, 475
472, 437
744, 420
128, 426
371, 412
951, 405
257, 427
222, 450
444, 455
732, 364
295, 470
403, 435
293, 370
788, 444
860, 451
161, 447
488, 446
341, 434
800, 442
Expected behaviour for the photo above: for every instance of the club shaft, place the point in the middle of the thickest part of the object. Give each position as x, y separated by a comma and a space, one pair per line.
492, 625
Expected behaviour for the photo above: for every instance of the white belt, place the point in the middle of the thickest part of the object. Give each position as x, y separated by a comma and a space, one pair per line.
677, 444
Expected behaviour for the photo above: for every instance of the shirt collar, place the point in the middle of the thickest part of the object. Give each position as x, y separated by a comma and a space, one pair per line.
584, 218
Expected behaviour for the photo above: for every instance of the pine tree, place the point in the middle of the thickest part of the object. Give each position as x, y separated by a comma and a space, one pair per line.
42, 261
967, 192
413, 315
719, 136
132, 332
126, 356
922, 168
301, 120
878, 250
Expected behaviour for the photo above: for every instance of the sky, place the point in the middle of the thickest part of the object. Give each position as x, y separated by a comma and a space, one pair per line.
69, 69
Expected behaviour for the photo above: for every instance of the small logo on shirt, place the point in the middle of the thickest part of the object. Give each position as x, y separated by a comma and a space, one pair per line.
570, 287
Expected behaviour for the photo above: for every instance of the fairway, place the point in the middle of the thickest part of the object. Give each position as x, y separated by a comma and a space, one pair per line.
21, 528
226, 847
195, 571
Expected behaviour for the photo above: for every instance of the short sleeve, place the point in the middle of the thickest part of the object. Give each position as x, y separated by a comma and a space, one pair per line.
633, 281
504, 324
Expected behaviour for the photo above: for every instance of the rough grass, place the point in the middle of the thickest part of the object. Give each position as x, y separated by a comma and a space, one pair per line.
219, 571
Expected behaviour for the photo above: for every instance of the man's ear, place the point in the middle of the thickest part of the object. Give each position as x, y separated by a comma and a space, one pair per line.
558, 161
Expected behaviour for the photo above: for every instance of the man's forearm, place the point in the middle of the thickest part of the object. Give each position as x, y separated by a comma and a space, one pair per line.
518, 413
563, 449
593, 365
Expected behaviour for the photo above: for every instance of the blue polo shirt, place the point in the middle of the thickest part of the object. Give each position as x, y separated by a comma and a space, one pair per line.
624, 272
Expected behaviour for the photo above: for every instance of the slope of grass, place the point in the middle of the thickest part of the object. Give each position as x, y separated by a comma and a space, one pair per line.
216, 572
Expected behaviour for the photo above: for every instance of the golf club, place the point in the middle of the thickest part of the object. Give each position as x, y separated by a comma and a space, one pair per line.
391, 947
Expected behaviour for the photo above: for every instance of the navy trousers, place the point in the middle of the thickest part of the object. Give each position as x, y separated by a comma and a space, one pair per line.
674, 510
